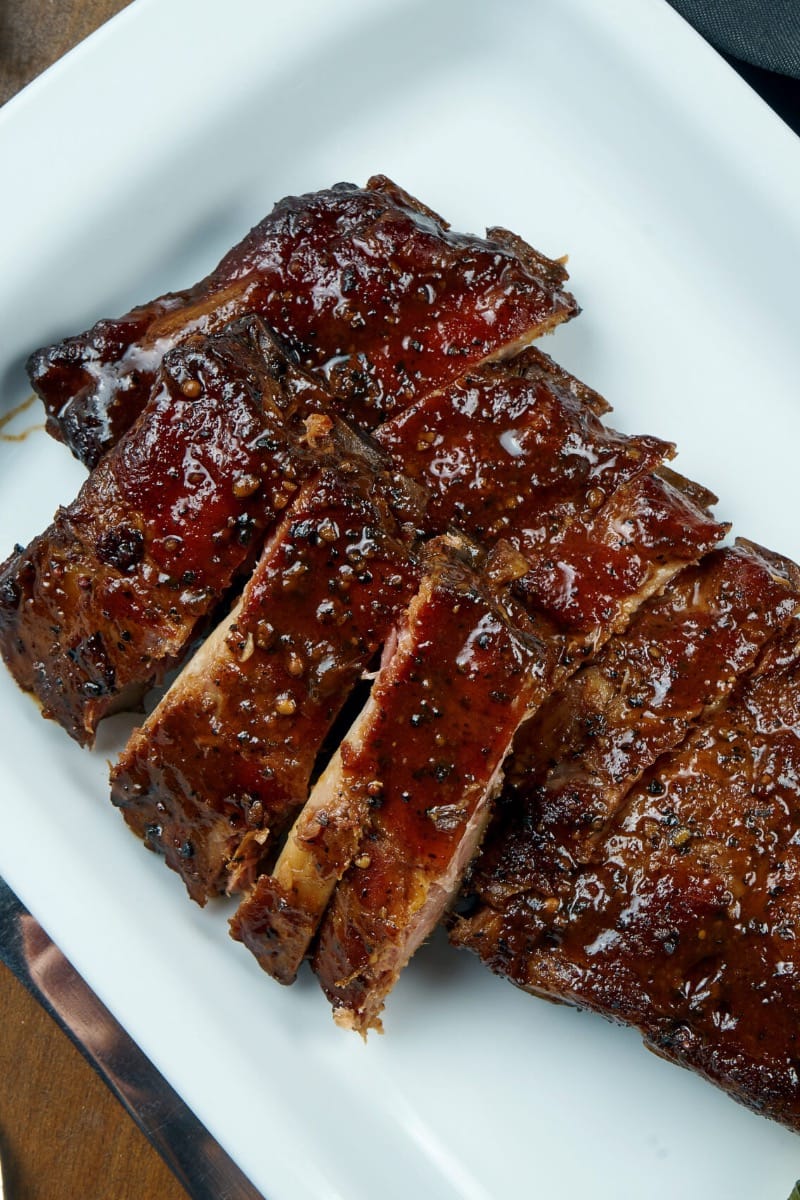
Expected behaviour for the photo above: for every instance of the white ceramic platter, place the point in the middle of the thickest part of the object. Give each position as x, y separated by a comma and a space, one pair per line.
609, 131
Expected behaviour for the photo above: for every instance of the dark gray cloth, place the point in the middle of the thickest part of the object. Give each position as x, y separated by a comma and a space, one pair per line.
763, 32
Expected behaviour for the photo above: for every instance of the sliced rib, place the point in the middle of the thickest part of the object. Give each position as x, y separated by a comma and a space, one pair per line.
517, 451
574, 764
686, 927
591, 576
224, 761
423, 759
279, 919
367, 286
376, 918
109, 598
556, 432
680, 657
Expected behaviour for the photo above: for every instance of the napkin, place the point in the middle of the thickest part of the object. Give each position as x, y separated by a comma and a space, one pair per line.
765, 33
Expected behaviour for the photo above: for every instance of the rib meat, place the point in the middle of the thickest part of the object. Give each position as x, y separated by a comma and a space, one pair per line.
366, 285
420, 765
514, 450
560, 452
224, 761
647, 872
379, 915
680, 657
643, 862
517, 451
687, 929
649, 529
110, 596
574, 764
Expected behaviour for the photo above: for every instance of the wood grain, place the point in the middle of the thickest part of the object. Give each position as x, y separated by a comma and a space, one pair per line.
63, 1135
34, 33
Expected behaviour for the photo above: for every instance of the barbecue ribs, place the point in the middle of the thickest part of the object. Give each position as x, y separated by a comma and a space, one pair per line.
367, 287
644, 861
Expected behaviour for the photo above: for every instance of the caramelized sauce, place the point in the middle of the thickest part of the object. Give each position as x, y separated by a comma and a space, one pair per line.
422, 772
225, 760
112, 594
370, 289
8, 417
689, 930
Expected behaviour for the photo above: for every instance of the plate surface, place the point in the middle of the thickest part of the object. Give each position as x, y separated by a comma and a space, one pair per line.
607, 131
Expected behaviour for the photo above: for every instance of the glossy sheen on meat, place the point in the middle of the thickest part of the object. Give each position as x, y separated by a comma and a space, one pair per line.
223, 763
424, 754
557, 434
650, 816
436, 794
687, 927
108, 599
590, 577
575, 762
380, 914
552, 422
673, 527
681, 655
279, 919
366, 285
516, 451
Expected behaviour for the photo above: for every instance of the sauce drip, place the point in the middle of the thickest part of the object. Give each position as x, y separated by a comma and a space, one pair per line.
8, 417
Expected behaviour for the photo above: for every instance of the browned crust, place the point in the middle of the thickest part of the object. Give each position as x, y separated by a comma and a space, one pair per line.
368, 287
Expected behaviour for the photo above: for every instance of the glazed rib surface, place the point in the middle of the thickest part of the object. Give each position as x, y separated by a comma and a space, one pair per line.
224, 761
691, 932
514, 450
108, 599
422, 758
559, 456
382, 910
351, 396
650, 816
368, 288
482, 670
549, 421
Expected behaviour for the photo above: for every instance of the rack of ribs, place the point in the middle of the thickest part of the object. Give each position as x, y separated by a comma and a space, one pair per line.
224, 761
373, 923
342, 419
72, 643
648, 529
561, 451
368, 288
642, 864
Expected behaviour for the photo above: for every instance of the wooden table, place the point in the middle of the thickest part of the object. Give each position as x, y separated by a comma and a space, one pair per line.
63, 1135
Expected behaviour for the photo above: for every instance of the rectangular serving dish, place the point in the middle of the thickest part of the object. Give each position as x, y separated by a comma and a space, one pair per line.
611, 132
